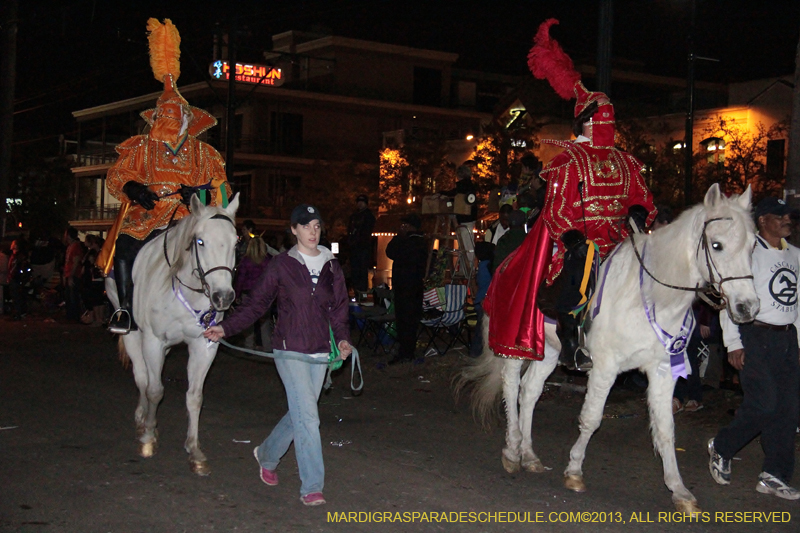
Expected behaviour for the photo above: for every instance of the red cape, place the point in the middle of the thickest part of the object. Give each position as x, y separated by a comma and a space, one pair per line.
516, 328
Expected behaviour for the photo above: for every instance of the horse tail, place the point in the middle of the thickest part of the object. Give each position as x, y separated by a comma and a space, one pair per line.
483, 377
124, 358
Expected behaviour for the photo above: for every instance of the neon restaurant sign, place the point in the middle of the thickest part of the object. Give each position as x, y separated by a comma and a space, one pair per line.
246, 73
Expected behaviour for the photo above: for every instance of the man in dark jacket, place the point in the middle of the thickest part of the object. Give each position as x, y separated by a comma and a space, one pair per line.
511, 239
359, 239
409, 252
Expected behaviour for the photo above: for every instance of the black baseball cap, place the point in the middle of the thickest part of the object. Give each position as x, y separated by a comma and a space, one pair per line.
362, 198
772, 205
303, 214
413, 220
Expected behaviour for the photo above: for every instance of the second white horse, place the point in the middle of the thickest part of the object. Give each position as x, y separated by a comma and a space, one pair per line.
708, 244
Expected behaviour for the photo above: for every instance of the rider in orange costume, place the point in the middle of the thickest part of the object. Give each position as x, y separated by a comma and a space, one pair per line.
157, 173
592, 188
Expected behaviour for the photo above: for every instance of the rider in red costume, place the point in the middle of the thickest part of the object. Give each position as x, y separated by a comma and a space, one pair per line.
592, 189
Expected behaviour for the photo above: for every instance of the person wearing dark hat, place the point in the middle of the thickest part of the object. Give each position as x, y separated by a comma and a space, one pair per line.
409, 253
308, 285
360, 243
765, 352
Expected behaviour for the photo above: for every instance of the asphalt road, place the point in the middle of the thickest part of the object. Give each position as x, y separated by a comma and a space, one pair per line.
403, 450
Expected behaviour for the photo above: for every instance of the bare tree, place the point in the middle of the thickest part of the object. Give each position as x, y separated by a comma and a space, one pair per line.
793, 165
745, 160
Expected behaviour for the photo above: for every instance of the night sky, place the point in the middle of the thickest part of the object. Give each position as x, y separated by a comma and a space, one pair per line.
81, 53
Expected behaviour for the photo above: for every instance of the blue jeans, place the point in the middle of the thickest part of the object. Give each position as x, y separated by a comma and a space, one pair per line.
303, 384
476, 346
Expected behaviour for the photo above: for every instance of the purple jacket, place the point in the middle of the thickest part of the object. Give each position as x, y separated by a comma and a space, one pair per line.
304, 311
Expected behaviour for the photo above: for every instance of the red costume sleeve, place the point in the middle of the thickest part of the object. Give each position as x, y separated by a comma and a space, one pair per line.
639, 193
562, 192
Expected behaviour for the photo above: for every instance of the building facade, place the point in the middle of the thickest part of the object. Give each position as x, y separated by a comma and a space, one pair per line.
308, 129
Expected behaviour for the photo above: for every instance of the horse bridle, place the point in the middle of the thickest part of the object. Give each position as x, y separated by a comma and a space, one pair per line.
201, 274
705, 293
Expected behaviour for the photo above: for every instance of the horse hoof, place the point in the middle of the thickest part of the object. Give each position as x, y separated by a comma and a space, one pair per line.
534, 466
147, 449
200, 468
510, 466
574, 483
687, 507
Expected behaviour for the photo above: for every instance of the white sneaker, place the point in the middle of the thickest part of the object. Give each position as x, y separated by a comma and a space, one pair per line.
769, 484
719, 467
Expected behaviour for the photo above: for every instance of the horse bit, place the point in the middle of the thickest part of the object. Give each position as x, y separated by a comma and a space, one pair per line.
705, 293
205, 289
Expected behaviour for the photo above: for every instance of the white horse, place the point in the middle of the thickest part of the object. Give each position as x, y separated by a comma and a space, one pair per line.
708, 244
182, 281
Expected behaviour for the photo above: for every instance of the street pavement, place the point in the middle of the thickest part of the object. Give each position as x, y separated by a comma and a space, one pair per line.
402, 456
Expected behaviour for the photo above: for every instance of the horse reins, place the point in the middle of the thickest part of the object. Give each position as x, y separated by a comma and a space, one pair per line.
205, 289
702, 292
203, 273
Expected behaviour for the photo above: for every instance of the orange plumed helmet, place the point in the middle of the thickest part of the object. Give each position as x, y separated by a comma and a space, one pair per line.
165, 60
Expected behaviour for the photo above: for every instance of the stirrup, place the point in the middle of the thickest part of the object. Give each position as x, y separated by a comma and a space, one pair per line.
582, 360
120, 322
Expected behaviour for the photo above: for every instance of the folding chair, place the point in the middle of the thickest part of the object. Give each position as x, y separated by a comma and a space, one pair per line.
451, 327
379, 323
358, 319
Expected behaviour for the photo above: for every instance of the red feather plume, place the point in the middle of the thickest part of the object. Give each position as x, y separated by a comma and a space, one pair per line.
548, 60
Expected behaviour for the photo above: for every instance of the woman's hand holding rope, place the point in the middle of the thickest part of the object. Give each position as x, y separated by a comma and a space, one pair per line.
345, 349
214, 333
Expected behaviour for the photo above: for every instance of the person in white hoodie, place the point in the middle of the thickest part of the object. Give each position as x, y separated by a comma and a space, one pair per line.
765, 352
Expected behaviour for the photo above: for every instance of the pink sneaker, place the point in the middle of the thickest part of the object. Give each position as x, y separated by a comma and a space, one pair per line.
270, 477
312, 498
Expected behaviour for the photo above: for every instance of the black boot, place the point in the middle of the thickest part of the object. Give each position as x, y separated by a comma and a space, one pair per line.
122, 321
572, 355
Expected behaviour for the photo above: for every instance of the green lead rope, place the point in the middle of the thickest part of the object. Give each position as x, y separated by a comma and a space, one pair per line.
311, 360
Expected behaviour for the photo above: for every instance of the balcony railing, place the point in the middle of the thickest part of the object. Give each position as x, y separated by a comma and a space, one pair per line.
95, 213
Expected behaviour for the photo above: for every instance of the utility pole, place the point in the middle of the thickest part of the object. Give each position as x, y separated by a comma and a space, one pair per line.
230, 115
688, 135
604, 33
8, 69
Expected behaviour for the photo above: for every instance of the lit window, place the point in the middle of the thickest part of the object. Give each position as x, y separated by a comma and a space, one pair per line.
714, 149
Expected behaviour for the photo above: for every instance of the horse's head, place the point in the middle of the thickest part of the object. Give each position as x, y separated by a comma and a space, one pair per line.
725, 249
213, 249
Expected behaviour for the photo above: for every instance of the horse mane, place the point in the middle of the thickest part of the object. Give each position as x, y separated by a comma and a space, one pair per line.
672, 251
179, 240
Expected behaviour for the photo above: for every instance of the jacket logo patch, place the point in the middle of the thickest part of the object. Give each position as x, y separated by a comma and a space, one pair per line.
783, 287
